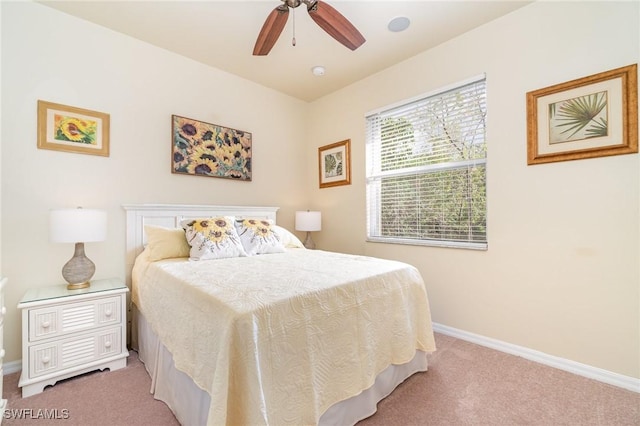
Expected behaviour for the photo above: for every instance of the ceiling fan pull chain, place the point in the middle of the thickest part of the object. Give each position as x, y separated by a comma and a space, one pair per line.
293, 41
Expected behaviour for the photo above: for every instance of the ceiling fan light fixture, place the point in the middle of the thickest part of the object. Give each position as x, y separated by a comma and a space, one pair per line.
399, 24
318, 70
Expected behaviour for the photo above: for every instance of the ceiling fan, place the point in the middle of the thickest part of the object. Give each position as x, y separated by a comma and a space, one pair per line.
328, 18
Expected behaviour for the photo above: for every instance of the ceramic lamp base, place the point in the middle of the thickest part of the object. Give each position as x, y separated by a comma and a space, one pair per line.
79, 269
308, 242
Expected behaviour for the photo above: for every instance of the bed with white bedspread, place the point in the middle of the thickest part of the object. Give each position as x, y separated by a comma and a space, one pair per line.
295, 337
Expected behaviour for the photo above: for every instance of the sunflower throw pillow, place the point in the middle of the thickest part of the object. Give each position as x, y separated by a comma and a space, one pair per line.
212, 238
258, 236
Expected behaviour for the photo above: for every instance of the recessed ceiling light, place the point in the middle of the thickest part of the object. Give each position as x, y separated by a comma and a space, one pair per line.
398, 24
318, 70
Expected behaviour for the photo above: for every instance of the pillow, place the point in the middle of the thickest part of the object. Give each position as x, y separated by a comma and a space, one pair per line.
212, 238
258, 236
165, 243
287, 238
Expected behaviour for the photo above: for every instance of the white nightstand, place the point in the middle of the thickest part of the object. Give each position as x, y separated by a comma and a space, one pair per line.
70, 332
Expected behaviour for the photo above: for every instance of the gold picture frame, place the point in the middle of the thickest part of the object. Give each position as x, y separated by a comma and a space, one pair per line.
334, 164
72, 129
589, 117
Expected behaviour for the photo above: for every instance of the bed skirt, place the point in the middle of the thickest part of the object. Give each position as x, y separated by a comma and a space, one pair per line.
190, 404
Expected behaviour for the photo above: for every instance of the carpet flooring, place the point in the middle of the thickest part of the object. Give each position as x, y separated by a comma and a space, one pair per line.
466, 384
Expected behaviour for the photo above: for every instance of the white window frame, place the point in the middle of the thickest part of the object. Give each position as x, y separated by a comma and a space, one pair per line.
374, 214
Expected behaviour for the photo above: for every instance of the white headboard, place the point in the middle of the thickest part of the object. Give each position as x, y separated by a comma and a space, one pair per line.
170, 215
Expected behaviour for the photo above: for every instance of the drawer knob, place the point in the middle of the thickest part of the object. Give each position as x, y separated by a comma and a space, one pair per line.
45, 360
107, 344
108, 312
45, 324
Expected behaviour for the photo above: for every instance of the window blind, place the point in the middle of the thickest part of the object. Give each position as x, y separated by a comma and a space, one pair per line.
426, 169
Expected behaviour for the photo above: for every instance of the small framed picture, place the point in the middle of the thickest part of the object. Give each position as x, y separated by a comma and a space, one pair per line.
594, 116
71, 129
334, 164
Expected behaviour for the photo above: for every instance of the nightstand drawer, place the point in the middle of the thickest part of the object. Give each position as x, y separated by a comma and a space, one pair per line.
73, 317
50, 357
70, 332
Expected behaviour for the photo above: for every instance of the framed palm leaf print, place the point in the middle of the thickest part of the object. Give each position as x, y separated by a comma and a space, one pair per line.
334, 164
589, 117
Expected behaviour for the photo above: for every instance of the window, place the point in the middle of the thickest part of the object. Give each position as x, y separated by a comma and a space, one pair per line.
426, 169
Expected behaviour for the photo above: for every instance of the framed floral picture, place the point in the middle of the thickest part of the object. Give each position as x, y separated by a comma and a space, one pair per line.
593, 116
334, 164
71, 129
204, 149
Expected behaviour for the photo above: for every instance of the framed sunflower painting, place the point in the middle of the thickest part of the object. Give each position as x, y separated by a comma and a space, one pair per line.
71, 129
204, 149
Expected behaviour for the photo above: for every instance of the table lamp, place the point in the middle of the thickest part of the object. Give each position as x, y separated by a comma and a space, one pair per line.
308, 221
78, 226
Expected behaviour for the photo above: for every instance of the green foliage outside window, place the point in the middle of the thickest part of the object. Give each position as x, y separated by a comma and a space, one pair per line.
431, 183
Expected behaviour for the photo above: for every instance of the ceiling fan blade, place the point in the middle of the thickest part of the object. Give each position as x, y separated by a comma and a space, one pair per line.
336, 25
271, 30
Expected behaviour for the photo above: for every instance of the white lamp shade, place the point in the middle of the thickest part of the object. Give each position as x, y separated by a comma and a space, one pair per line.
77, 225
308, 221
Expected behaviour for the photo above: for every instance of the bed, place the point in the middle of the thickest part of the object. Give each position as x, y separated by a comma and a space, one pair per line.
291, 336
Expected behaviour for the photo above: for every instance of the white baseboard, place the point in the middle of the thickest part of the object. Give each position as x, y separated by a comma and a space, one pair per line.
13, 367
605, 376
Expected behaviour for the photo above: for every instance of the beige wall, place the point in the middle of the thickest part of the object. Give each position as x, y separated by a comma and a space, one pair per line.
1, 149
561, 273
52, 56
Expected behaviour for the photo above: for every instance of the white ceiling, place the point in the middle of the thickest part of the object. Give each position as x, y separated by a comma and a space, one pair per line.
222, 34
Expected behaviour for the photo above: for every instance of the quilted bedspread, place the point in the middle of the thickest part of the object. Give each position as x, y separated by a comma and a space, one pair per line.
279, 338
